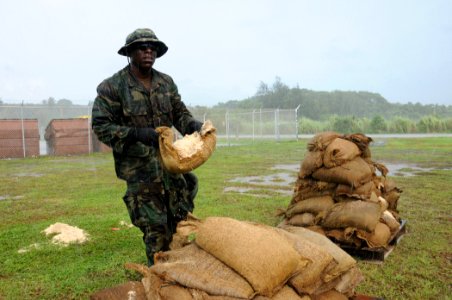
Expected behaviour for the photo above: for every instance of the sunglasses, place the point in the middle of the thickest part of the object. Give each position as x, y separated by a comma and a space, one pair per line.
145, 46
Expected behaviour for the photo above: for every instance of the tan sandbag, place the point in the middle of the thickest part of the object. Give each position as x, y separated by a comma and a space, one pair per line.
362, 192
129, 290
304, 282
358, 214
311, 162
193, 267
344, 261
388, 218
312, 205
306, 188
286, 293
353, 173
302, 219
252, 250
338, 152
392, 197
349, 281
318, 229
330, 295
378, 238
343, 236
185, 232
360, 140
188, 153
321, 140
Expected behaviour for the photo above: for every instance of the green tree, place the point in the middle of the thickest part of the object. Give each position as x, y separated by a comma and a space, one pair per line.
378, 124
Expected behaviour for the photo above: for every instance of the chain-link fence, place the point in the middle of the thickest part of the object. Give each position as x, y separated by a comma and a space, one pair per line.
32, 130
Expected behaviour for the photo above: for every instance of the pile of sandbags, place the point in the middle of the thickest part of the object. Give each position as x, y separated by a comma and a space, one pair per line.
223, 258
338, 192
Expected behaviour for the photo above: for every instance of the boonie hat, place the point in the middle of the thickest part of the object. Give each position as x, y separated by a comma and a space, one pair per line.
143, 35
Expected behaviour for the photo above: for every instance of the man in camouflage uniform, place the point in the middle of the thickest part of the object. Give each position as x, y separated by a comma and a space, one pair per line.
128, 107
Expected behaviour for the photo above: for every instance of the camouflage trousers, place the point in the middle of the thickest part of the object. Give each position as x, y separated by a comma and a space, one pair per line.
157, 207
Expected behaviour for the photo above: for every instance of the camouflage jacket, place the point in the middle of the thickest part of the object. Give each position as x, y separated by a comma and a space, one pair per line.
123, 103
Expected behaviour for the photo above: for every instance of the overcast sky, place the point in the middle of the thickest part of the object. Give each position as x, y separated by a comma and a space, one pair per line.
221, 50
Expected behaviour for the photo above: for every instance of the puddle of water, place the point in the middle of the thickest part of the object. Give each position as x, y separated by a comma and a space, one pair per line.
8, 197
28, 174
249, 191
278, 179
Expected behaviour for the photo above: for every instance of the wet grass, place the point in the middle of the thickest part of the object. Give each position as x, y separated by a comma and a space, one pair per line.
83, 191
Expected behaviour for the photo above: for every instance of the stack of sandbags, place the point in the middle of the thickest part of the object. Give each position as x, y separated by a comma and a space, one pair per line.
223, 258
339, 194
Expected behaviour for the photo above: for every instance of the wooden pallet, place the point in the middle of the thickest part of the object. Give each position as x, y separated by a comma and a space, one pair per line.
377, 255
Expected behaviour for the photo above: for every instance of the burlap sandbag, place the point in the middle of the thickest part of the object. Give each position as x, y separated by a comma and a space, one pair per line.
185, 232
388, 218
362, 192
188, 153
353, 173
357, 214
378, 237
321, 140
338, 152
312, 205
253, 250
301, 219
306, 188
361, 140
193, 267
311, 162
344, 236
344, 261
305, 282
330, 295
286, 293
349, 281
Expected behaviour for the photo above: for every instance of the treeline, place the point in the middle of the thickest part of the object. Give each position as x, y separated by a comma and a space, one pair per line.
378, 124
320, 105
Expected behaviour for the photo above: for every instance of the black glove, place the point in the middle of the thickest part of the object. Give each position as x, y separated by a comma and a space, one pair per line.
194, 126
147, 136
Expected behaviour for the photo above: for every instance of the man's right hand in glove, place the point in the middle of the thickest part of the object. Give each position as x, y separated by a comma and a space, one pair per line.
146, 135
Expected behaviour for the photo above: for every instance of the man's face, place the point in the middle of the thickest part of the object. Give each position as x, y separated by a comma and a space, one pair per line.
143, 56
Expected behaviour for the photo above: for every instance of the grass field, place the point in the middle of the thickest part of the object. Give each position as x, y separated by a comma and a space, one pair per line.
83, 191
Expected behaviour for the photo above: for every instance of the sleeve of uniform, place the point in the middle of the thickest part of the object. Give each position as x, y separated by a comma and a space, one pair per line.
181, 115
106, 116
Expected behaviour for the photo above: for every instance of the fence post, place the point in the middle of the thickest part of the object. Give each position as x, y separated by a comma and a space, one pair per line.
227, 127
90, 144
296, 122
23, 128
277, 124
253, 123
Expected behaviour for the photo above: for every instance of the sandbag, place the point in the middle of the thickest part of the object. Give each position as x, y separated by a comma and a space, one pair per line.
185, 231
330, 295
393, 198
301, 219
305, 281
348, 281
188, 153
126, 290
338, 152
286, 293
252, 250
360, 140
388, 218
193, 267
312, 205
344, 261
306, 188
321, 140
353, 173
362, 192
358, 214
311, 162
378, 237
